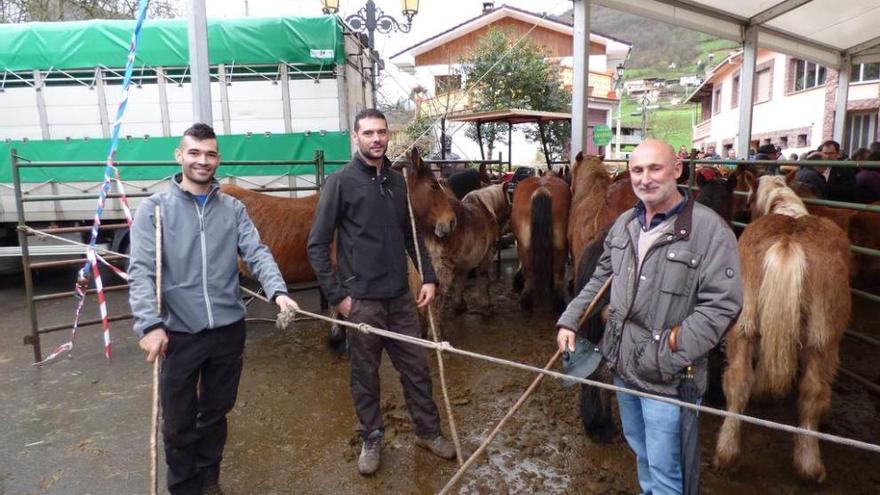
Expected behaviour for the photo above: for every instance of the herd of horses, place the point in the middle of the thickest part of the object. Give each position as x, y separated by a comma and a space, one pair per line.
796, 268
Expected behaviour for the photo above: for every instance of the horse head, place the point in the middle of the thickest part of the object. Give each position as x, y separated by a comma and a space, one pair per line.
430, 198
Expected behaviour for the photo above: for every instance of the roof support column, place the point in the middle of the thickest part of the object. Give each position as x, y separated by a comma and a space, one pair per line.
197, 32
842, 97
580, 77
746, 91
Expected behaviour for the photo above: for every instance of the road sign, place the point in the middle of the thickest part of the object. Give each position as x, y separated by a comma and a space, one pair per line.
601, 134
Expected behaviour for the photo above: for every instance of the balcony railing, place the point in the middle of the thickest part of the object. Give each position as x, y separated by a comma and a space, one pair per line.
446, 103
703, 129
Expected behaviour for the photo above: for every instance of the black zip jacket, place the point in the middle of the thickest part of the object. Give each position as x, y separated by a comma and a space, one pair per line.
370, 217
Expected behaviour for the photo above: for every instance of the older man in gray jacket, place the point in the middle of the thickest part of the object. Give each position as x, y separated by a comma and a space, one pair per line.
676, 290
200, 329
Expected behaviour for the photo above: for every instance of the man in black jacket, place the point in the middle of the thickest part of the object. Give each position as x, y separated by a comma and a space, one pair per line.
365, 205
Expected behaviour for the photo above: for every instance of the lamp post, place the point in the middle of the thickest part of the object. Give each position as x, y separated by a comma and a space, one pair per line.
369, 19
618, 84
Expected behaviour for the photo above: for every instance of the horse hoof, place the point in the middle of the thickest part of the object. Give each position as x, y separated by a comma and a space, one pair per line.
526, 302
337, 339
725, 463
518, 281
812, 472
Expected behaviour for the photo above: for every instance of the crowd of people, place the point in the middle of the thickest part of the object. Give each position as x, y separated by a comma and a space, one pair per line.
851, 184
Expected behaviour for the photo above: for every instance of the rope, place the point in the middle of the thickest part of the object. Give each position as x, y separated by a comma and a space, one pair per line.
440, 366
111, 174
447, 347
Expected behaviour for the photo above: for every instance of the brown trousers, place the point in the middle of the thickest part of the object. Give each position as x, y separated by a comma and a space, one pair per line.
397, 315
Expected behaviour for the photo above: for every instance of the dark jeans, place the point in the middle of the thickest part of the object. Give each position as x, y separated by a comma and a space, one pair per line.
198, 387
396, 315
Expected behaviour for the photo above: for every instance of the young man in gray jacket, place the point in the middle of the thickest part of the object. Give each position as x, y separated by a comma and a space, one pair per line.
200, 330
676, 290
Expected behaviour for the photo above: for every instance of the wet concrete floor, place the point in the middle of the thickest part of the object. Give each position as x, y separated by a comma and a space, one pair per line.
81, 425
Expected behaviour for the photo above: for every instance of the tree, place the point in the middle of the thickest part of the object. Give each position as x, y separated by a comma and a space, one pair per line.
71, 10
524, 79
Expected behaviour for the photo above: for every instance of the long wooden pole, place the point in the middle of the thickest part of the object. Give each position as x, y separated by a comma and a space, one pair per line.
458, 474
154, 426
434, 336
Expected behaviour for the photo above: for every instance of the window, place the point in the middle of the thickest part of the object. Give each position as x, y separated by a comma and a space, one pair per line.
445, 84
861, 131
734, 93
783, 142
763, 86
716, 100
865, 72
806, 75
801, 140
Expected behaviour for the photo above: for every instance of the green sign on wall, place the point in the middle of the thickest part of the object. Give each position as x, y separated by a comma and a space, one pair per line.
601, 134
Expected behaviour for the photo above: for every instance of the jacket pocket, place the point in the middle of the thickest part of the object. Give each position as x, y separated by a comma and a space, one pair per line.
679, 271
618, 246
646, 357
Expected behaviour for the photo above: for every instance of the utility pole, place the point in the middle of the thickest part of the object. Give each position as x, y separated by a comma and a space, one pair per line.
197, 32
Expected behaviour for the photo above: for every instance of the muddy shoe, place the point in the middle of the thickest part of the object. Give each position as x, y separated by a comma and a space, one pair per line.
368, 462
439, 446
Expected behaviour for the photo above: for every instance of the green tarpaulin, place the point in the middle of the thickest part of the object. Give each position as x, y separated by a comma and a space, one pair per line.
336, 146
312, 41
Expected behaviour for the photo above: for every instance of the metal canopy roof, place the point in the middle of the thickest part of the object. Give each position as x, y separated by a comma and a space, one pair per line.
821, 31
512, 116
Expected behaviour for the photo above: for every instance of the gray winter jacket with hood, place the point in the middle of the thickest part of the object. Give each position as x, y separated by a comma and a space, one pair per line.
200, 250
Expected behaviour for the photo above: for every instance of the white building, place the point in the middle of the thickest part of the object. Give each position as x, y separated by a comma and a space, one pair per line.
794, 104
432, 64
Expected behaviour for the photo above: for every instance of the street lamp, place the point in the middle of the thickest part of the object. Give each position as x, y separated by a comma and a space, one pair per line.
618, 84
369, 19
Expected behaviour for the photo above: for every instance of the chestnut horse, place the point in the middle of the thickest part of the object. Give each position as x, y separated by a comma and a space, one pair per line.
539, 219
796, 304
596, 201
283, 224
459, 235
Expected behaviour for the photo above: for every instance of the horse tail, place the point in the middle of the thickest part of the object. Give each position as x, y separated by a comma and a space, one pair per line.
542, 240
779, 310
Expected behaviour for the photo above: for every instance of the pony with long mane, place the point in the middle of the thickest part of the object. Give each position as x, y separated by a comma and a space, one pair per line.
283, 224
796, 304
466, 235
539, 219
597, 200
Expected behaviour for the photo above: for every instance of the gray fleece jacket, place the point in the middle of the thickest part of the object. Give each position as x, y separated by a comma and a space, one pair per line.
689, 277
200, 250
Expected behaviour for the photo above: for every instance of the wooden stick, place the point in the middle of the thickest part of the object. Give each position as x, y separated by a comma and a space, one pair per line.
154, 420
458, 474
434, 336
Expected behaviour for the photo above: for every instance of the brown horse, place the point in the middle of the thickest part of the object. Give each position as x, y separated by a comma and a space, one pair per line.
796, 305
596, 201
283, 224
460, 235
539, 219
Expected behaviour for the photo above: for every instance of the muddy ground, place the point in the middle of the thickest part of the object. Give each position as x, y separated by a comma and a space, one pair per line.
80, 426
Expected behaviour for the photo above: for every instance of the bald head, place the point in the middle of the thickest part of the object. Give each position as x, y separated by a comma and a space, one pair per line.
654, 151
653, 171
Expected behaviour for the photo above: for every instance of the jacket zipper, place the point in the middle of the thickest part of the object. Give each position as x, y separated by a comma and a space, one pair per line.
638, 276
204, 259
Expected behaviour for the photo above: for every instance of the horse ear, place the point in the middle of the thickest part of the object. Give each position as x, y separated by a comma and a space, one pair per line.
418, 166
789, 177
751, 181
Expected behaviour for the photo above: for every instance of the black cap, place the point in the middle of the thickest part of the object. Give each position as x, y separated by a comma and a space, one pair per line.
767, 149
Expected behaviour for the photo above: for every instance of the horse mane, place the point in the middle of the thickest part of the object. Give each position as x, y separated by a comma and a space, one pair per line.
492, 198
774, 196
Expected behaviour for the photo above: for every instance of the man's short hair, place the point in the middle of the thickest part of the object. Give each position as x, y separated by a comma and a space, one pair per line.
200, 132
831, 142
767, 149
367, 113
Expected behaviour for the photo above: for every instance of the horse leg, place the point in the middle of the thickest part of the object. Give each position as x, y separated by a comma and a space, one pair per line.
738, 381
456, 293
596, 414
813, 402
518, 280
559, 261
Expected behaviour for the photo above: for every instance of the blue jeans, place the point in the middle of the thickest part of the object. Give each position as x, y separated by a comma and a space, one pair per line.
653, 431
